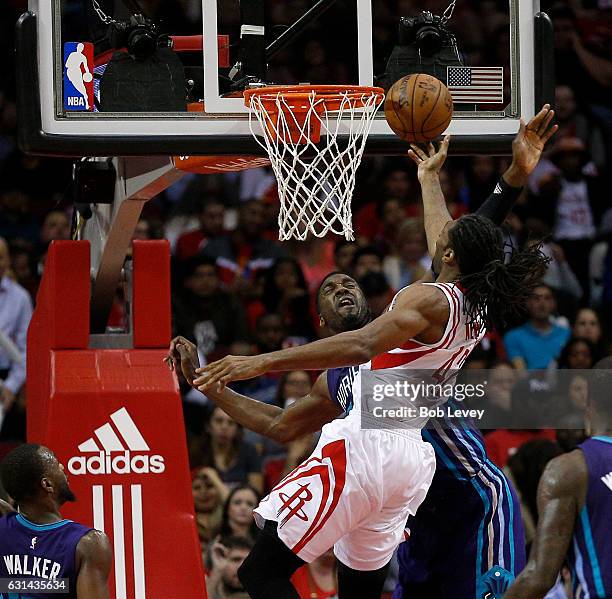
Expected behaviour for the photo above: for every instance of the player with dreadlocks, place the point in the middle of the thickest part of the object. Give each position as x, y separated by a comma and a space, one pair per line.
348, 492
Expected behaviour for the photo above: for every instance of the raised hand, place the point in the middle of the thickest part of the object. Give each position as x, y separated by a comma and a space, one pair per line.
529, 144
429, 162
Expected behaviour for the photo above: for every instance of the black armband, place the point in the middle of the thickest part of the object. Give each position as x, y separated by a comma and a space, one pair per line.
499, 204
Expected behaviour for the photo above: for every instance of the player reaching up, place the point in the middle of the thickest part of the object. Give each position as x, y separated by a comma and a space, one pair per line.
348, 493
469, 496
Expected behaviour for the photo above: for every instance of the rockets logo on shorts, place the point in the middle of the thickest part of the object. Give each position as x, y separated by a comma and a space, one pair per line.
294, 504
78, 76
305, 499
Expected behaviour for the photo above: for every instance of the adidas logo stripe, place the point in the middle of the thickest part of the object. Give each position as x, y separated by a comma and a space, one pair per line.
121, 440
607, 480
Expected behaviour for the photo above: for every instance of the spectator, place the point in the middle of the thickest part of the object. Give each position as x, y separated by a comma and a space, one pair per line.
559, 276
344, 254
23, 267
588, 74
539, 341
571, 202
391, 213
16, 221
286, 294
577, 353
227, 557
269, 333
210, 217
367, 259
377, 291
203, 311
223, 448
396, 184
238, 518
525, 468
244, 251
573, 123
15, 316
209, 494
578, 394
410, 261
587, 325
317, 580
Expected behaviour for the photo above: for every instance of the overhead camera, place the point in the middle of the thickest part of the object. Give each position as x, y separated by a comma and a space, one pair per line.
139, 35
427, 31
424, 45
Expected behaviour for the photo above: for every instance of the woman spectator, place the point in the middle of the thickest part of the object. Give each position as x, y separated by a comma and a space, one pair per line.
238, 513
209, 493
224, 449
588, 326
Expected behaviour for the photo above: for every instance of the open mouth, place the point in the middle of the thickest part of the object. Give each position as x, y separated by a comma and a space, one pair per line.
346, 301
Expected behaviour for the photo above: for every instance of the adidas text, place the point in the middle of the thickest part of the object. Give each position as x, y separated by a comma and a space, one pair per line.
118, 463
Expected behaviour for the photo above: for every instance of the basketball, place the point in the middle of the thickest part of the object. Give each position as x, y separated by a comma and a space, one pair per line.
87, 77
418, 108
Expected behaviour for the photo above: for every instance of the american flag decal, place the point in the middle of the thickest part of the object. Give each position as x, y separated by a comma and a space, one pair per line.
476, 85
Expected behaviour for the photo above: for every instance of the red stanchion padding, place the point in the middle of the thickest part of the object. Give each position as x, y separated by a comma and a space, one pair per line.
126, 461
151, 294
60, 320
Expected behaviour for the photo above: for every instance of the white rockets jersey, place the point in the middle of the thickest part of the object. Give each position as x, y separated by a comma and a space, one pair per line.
413, 362
456, 344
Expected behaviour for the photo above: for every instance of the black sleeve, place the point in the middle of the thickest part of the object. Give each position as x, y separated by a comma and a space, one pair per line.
499, 204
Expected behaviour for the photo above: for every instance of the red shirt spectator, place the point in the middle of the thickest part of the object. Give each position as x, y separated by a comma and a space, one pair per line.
504, 443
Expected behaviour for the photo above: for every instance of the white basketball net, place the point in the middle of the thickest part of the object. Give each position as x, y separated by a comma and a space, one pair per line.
315, 181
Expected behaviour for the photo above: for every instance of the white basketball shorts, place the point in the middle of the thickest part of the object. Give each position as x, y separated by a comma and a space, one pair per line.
355, 493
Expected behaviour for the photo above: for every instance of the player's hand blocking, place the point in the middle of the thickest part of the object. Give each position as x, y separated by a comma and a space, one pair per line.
432, 161
528, 146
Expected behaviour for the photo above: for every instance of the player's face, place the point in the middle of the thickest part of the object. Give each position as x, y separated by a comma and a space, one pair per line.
54, 471
342, 303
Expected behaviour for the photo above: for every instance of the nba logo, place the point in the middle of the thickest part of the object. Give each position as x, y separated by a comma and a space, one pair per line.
78, 76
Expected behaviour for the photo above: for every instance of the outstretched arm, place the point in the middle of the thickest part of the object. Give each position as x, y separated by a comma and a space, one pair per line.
527, 149
435, 211
561, 493
417, 307
306, 415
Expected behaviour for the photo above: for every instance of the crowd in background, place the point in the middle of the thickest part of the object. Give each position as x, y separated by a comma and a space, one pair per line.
237, 290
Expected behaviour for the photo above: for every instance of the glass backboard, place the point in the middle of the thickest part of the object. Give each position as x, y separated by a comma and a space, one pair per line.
96, 80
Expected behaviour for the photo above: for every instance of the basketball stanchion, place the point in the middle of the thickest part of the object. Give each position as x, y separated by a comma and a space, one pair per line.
300, 129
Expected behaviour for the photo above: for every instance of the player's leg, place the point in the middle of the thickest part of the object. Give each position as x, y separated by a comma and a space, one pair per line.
474, 543
265, 573
359, 583
502, 555
366, 551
